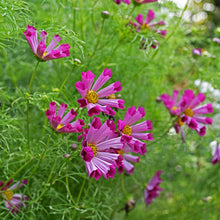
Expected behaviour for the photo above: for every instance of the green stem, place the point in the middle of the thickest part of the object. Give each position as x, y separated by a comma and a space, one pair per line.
81, 189
97, 43
48, 180
64, 82
174, 30
28, 104
87, 190
18, 171
67, 186
123, 186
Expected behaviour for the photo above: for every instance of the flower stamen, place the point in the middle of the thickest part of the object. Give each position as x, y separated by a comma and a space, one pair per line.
188, 112
92, 97
94, 148
127, 130
8, 194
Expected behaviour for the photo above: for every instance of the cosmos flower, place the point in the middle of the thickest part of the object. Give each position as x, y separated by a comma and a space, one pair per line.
60, 123
187, 111
95, 100
146, 24
197, 52
118, 2
134, 133
13, 201
124, 152
39, 48
152, 189
97, 145
216, 157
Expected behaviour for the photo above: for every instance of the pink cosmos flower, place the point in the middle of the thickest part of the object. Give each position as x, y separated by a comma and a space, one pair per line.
39, 47
152, 189
126, 158
133, 133
144, 1
102, 100
60, 123
216, 157
96, 149
12, 200
118, 2
146, 24
197, 52
187, 111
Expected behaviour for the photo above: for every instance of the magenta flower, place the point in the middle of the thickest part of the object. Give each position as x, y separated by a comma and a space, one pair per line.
118, 2
197, 52
152, 189
102, 100
146, 24
12, 200
187, 111
216, 157
39, 47
126, 158
60, 123
133, 133
144, 1
97, 149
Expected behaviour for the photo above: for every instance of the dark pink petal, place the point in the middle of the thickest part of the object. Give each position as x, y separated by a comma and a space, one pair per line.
81, 88
150, 17
61, 110
216, 157
93, 109
205, 109
31, 36
41, 49
87, 79
87, 154
83, 102
103, 78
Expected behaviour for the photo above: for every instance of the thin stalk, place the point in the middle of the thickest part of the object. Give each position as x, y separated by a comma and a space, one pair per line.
87, 190
28, 103
174, 30
97, 43
81, 189
123, 185
65, 80
48, 180
67, 186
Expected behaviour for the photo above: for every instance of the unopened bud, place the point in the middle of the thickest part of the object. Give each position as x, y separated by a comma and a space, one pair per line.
77, 61
105, 14
67, 155
74, 146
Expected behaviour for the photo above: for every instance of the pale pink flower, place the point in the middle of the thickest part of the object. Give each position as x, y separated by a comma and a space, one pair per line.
13, 201
152, 190
98, 101
134, 133
39, 47
197, 52
97, 146
60, 123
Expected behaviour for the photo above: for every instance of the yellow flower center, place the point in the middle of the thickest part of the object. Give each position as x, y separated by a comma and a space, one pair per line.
44, 54
127, 130
59, 126
179, 122
112, 96
145, 26
121, 152
94, 148
8, 194
92, 97
188, 112
174, 108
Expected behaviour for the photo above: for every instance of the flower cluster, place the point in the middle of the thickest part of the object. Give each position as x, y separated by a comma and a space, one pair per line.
13, 201
187, 111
